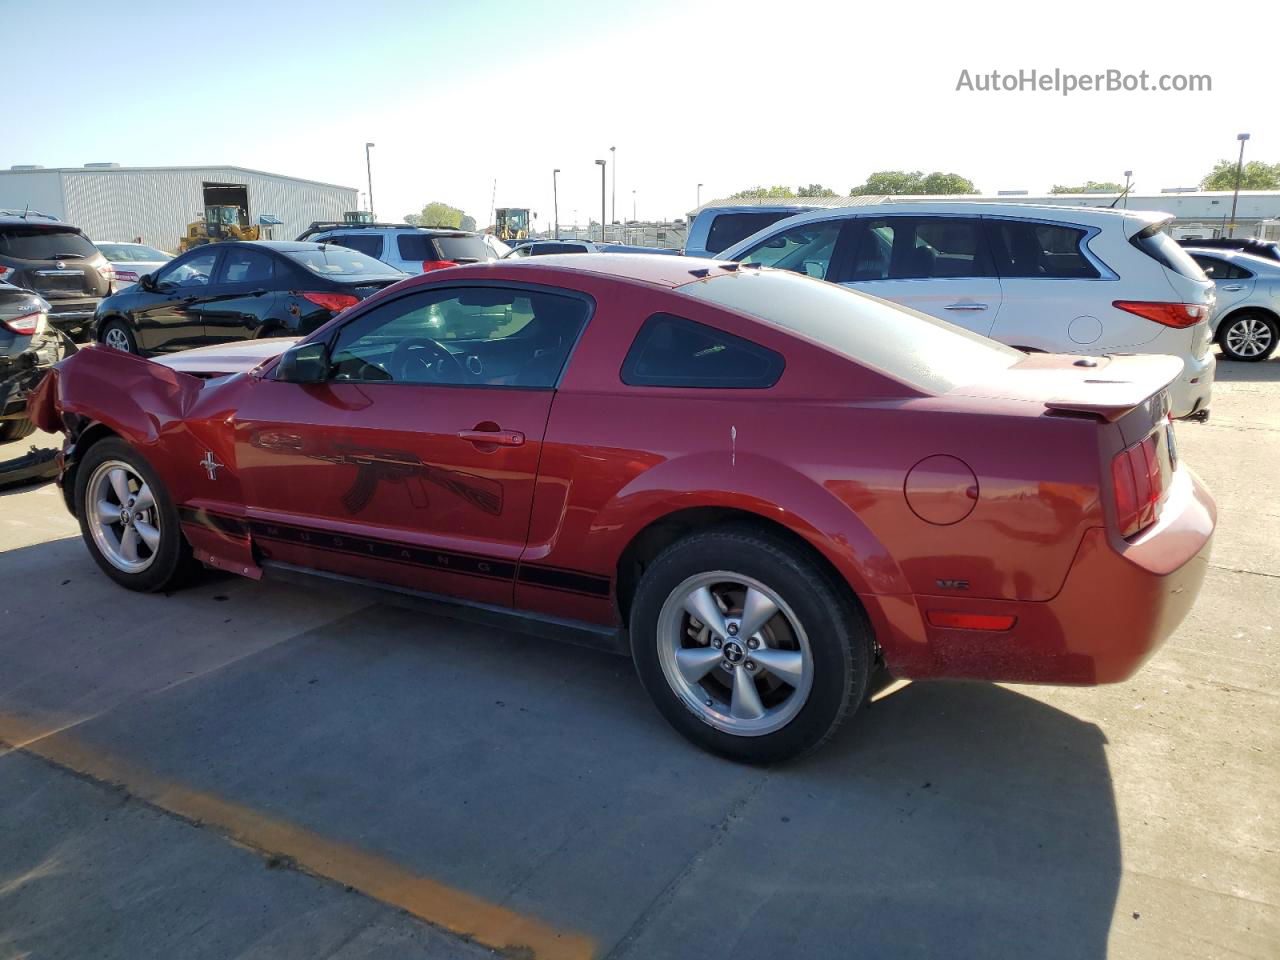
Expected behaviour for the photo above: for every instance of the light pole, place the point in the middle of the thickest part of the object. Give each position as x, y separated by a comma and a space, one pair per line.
613, 206
1242, 137
699, 203
603, 166
555, 199
634, 220
368, 169
1127, 175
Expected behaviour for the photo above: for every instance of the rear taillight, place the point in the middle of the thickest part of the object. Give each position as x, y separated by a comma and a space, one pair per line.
337, 302
6, 273
26, 325
105, 271
125, 276
1169, 314
1138, 484
429, 265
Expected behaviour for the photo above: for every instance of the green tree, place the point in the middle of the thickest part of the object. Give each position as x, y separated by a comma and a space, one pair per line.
468, 223
437, 214
413, 219
763, 192
913, 182
1093, 186
1256, 175
815, 190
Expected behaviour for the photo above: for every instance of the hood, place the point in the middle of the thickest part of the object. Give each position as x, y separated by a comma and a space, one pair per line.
223, 359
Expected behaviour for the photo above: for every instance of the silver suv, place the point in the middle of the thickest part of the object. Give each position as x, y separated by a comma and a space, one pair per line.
409, 248
1247, 316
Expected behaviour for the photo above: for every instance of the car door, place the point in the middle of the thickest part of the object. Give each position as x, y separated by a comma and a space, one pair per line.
241, 296
167, 317
939, 265
1232, 283
1056, 294
414, 462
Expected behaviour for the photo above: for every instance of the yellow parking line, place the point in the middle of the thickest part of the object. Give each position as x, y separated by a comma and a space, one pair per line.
462, 913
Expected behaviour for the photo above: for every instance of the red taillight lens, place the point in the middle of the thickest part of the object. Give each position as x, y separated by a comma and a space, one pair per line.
25, 325
1178, 315
971, 621
429, 265
125, 276
337, 302
1138, 485
7, 273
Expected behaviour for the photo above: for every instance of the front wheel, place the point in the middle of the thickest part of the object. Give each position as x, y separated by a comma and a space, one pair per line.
128, 520
117, 335
1248, 337
746, 645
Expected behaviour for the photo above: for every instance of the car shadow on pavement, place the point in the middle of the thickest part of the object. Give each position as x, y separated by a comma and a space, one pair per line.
947, 819
1230, 371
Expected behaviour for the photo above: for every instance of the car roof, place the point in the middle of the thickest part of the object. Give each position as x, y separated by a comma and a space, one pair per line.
761, 208
1024, 211
1232, 255
280, 246
400, 228
659, 269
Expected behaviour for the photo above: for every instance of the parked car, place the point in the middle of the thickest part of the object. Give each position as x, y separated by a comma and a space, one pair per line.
129, 261
1247, 312
496, 246
221, 292
1267, 249
756, 484
29, 346
408, 248
56, 261
1040, 278
715, 229
543, 248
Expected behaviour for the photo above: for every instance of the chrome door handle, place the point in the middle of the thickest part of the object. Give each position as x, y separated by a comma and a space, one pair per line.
1234, 287
504, 438
965, 306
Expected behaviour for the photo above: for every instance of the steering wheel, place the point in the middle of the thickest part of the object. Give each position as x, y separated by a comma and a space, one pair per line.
442, 365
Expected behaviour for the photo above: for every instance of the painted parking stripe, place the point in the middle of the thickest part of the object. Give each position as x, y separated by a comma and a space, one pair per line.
462, 913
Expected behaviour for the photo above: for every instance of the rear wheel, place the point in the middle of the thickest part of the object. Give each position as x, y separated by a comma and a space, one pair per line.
117, 335
1248, 336
11, 430
128, 520
747, 647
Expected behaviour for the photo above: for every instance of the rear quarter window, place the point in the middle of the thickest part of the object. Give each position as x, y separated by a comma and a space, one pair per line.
370, 244
670, 351
1041, 250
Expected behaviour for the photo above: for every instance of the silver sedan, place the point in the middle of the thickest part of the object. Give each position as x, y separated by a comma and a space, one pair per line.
1247, 314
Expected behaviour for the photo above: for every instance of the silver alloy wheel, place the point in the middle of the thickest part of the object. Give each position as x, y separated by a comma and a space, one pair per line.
117, 339
1249, 337
735, 653
122, 516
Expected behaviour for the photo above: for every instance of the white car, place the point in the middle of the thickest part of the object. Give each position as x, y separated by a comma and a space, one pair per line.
1040, 278
1247, 314
543, 248
129, 262
403, 246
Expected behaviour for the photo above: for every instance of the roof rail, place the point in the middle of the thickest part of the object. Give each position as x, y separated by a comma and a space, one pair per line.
319, 226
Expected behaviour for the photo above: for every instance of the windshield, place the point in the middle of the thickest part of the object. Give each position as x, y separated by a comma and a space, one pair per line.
929, 354
43, 243
132, 253
336, 261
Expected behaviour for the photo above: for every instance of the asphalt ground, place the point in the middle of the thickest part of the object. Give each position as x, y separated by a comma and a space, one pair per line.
245, 769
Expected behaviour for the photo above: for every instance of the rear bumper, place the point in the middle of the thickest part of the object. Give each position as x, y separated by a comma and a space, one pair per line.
1119, 602
73, 317
1192, 391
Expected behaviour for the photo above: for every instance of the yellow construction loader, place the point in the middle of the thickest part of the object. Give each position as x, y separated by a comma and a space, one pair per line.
219, 223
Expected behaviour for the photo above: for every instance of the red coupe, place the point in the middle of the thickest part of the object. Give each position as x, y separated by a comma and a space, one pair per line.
761, 486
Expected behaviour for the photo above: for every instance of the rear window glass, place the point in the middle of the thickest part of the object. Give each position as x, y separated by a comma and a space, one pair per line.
1165, 250
132, 253
671, 351
929, 354
336, 261
463, 249
370, 244
1042, 250
729, 228
42, 243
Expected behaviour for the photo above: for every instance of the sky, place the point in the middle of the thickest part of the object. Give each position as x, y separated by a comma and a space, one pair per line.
458, 95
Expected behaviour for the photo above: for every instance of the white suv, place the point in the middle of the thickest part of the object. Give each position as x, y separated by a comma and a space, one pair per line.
408, 248
1052, 279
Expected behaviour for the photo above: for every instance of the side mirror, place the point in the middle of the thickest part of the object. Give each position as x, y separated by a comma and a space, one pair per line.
147, 282
305, 363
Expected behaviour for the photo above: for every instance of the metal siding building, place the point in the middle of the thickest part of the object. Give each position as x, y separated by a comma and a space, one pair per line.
157, 203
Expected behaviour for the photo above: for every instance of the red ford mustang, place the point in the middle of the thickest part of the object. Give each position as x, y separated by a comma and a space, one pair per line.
759, 485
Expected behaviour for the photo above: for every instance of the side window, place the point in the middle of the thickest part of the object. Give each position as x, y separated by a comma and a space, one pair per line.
935, 248
464, 336
873, 251
1216, 269
806, 249
671, 351
245, 265
370, 244
1043, 250
195, 272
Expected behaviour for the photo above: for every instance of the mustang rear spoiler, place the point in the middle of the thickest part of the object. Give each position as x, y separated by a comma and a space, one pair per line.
1112, 391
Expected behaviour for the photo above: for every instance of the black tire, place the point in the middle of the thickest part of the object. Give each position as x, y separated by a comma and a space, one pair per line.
11, 430
119, 328
838, 636
171, 563
1238, 325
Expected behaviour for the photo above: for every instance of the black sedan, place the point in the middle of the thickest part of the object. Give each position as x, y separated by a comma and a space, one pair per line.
29, 346
238, 290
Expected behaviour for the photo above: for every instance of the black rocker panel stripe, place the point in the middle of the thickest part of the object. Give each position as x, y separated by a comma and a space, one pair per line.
555, 578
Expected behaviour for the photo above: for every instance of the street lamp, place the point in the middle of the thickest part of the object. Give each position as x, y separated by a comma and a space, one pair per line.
634, 218
603, 164
699, 203
1242, 137
368, 168
613, 206
555, 199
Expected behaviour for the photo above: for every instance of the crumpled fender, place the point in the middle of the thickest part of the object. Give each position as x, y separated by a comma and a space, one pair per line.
759, 485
